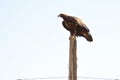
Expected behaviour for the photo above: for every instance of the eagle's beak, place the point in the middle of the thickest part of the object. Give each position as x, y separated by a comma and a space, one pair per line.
58, 16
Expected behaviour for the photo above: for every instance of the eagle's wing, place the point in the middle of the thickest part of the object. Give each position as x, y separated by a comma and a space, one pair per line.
78, 22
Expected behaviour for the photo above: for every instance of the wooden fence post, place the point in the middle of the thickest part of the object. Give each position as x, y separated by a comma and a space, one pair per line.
73, 58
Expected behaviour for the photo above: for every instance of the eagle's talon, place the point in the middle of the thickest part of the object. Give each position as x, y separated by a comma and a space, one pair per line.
72, 37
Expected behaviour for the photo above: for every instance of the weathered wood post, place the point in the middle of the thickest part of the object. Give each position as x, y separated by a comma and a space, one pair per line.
73, 59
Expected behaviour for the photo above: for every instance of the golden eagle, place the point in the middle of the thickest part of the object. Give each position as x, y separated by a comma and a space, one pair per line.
76, 26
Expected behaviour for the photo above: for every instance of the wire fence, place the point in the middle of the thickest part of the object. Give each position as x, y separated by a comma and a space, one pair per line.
67, 77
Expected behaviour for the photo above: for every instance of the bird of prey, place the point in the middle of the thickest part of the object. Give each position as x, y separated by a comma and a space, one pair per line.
76, 26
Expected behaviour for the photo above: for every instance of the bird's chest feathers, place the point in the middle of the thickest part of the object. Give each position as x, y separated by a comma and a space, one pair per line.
70, 25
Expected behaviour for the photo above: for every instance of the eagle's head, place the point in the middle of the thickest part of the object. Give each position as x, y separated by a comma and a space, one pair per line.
62, 15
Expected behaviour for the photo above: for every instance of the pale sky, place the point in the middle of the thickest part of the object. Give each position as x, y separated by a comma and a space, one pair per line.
34, 44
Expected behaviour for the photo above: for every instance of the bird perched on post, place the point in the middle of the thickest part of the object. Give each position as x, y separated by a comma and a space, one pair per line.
75, 26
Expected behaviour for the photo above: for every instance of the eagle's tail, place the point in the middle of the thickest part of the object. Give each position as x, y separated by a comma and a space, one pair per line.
88, 36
